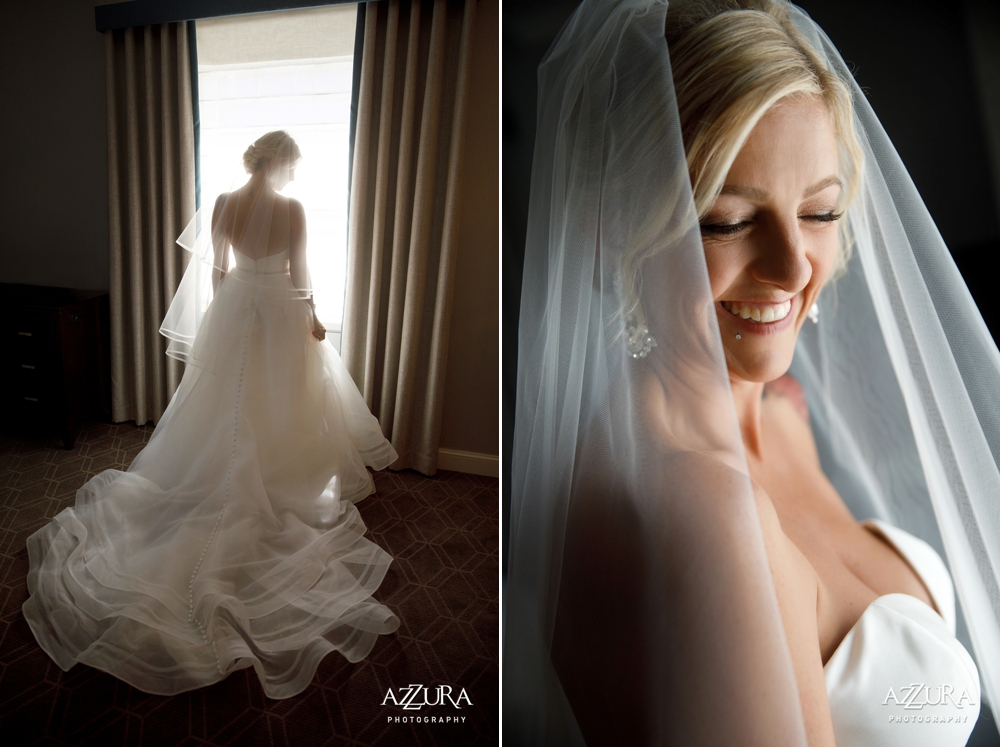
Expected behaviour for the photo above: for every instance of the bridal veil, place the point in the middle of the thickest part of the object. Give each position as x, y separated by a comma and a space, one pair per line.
639, 604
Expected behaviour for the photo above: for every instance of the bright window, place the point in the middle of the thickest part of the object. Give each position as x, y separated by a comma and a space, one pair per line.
288, 70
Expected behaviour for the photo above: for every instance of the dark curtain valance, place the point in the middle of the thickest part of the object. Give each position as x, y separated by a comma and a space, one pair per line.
154, 12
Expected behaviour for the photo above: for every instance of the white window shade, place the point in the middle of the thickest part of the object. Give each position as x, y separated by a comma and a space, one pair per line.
289, 70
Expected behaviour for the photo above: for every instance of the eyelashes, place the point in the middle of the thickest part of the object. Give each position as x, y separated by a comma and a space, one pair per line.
824, 217
724, 229
731, 229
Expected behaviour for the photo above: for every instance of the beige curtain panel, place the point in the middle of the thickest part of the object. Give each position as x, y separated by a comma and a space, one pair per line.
403, 215
151, 197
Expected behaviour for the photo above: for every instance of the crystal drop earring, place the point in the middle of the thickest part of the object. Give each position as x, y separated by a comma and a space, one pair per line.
638, 341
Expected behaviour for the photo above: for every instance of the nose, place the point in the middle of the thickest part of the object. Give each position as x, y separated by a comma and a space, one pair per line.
781, 257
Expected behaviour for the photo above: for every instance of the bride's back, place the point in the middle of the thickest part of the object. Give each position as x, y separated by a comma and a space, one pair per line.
257, 226
254, 219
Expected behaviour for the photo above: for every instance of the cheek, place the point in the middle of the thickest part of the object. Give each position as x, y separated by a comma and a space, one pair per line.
724, 264
823, 254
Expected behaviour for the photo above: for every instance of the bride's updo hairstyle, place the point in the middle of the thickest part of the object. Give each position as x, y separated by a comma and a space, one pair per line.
276, 146
733, 60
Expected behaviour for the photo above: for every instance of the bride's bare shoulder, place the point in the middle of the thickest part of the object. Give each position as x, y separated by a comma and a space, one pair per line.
224, 204
291, 207
222, 214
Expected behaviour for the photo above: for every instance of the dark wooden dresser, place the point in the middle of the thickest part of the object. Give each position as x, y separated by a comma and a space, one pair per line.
54, 360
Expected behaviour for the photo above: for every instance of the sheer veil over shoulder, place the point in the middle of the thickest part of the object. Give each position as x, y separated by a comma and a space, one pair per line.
639, 605
233, 539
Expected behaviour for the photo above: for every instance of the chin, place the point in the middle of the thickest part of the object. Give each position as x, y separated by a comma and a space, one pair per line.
764, 367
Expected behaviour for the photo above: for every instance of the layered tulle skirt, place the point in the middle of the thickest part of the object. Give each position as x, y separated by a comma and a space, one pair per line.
233, 539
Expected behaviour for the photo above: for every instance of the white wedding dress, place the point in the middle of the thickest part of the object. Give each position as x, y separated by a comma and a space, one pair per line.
232, 540
900, 677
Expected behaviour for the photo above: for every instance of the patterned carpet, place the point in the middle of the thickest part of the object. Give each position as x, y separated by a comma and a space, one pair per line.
443, 585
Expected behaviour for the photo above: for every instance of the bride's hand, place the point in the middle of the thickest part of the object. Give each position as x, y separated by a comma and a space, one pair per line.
319, 331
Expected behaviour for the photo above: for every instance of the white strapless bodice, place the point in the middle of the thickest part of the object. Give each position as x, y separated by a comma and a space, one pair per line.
273, 264
900, 677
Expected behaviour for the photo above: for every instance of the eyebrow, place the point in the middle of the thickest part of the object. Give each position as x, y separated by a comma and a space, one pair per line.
760, 195
823, 184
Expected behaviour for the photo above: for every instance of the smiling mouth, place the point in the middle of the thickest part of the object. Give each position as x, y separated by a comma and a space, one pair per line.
762, 313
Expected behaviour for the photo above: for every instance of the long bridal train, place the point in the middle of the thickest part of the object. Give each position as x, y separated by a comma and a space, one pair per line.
233, 539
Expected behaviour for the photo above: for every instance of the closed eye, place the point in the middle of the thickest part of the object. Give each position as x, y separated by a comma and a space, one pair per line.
824, 217
731, 229
724, 229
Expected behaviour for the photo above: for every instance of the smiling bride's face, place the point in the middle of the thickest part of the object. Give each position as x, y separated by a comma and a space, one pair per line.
771, 236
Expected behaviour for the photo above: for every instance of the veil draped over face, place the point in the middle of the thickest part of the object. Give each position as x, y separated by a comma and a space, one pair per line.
639, 603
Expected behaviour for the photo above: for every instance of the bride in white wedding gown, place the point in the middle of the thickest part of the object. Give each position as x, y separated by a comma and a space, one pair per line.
232, 540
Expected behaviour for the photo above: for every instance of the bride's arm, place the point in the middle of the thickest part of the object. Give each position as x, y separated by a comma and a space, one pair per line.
220, 243
794, 580
297, 266
707, 645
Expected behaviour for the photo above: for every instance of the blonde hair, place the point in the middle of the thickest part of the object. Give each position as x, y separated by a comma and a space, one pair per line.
732, 61
275, 146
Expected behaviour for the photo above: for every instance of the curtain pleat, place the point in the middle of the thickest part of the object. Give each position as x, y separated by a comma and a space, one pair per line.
403, 215
151, 197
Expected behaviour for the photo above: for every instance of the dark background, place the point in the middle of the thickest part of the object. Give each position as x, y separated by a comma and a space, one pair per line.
931, 71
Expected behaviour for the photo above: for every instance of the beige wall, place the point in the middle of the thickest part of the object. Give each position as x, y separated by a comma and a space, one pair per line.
472, 389
54, 190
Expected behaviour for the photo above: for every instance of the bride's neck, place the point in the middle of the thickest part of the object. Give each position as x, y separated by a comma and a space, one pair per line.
257, 183
748, 396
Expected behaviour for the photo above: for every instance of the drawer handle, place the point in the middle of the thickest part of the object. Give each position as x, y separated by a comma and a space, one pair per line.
25, 365
32, 399
25, 334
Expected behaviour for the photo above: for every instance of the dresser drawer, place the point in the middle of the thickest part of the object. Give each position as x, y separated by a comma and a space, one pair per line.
32, 407
53, 357
32, 339
31, 379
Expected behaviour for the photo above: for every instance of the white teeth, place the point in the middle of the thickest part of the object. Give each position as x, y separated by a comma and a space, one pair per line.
770, 312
